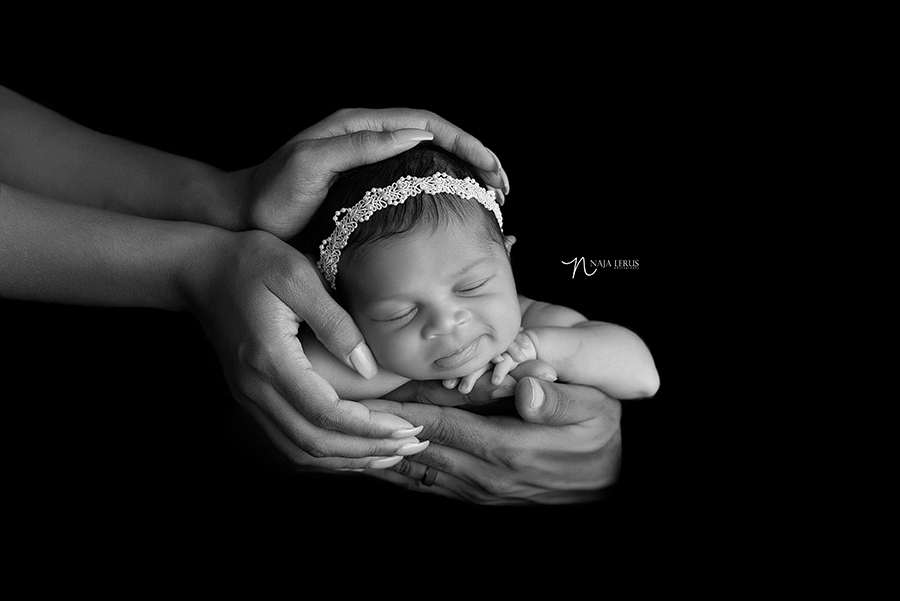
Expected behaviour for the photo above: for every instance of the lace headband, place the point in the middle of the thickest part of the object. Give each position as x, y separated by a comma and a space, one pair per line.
393, 195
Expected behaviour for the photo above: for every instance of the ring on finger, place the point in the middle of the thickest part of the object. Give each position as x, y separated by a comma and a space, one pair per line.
429, 477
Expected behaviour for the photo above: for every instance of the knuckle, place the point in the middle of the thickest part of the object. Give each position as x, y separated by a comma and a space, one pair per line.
304, 153
298, 459
256, 355
332, 323
606, 428
436, 396
510, 457
327, 419
444, 430
561, 406
318, 447
498, 486
611, 419
343, 113
404, 468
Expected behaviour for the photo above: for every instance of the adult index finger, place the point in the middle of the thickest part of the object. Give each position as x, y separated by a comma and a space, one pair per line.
446, 135
477, 435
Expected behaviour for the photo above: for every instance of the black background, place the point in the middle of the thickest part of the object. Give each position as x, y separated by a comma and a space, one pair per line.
120, 419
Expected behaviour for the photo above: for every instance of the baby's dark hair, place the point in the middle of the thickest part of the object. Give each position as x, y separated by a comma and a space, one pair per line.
436, 211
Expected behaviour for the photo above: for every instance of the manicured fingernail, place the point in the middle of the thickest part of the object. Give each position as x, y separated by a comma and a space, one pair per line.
537, 395
385, 462
498, 167
498, 170
407, 432
547, 377
412, 448
363, 361
411, 136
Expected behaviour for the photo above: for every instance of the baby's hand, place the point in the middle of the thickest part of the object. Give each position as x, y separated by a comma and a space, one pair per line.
521, 350
466, 383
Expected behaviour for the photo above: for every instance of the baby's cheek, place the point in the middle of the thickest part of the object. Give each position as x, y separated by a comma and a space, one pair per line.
512, 324
404, 359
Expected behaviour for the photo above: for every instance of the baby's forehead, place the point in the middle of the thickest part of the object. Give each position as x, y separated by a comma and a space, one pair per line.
402, 261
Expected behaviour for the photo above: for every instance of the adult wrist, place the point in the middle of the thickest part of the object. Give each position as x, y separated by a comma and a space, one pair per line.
199, 264
220, 198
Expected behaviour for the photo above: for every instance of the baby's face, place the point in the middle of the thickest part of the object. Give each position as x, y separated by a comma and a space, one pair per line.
433, 306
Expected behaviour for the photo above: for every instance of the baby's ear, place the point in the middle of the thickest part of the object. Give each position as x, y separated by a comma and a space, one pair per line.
510, 240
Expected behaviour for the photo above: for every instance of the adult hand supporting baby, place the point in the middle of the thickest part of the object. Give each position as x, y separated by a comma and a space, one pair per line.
565, 449
270, 288
285, 190
151, 244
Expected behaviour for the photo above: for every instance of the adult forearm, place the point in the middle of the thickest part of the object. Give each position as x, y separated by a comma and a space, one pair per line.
60, 252
50, 155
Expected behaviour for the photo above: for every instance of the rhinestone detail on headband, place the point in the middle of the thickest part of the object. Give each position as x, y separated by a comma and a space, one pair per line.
393, 195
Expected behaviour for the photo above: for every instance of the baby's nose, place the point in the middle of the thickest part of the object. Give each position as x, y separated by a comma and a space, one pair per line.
443, 323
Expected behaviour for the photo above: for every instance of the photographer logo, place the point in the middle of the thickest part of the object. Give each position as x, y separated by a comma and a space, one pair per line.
591, 266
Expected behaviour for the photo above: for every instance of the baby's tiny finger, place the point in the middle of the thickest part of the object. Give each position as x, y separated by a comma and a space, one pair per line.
450, 383
500, 371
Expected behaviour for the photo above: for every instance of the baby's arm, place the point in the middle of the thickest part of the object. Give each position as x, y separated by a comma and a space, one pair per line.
347, 382
604, 355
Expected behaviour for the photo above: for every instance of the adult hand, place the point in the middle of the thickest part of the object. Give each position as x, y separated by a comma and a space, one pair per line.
566, 448
255, 290
286, 189
250, 291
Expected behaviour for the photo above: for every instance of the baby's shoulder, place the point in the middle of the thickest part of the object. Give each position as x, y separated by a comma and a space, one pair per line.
538, 313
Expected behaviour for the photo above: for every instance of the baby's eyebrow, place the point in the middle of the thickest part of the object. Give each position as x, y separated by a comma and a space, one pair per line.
386, 304
471, 266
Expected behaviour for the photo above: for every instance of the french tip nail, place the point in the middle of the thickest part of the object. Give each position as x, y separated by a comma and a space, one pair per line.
363, 361
407, 432
385, 462
498, 167
410, 136
500, 172
412, 448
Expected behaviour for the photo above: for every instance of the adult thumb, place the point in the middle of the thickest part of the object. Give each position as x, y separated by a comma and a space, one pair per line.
544, 402
336, 330
365, 147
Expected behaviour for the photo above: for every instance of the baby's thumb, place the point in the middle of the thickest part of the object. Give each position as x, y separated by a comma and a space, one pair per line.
366, 147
